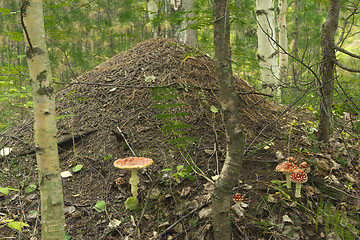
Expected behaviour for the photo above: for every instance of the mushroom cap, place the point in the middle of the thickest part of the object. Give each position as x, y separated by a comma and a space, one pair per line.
237, 197
291, 159
305, 166
119, 181
133, 163
298, 176
286, 167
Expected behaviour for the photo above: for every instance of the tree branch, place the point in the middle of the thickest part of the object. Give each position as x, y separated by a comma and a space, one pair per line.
340, 65
346, 52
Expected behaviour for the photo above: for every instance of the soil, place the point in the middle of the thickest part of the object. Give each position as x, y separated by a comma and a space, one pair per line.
163, 97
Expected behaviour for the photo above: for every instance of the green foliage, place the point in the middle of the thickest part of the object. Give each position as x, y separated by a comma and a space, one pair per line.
343, 223
100, 206
77, 168
5, 190
30, 188
15, 225
172, 115
181, 172
131, 203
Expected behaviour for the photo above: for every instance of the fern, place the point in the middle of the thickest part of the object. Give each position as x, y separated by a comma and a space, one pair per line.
171, 114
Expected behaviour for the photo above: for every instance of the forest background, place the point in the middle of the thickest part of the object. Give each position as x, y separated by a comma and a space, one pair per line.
81, 34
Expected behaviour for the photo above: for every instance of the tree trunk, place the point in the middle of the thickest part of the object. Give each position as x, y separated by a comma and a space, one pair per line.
283, 42
267, 50
152, 9
50, 183
235, 140
190, 34
296, 42
327, 69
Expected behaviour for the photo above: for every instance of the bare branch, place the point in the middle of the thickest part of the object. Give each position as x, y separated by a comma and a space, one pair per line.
340, 65
346, 52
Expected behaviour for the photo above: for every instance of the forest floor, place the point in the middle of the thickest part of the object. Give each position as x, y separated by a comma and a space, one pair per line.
163, 97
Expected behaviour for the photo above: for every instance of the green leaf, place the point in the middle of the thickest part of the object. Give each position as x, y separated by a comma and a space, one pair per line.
6, 190
67, 236
16, 225
167, 170
191, 177
77, 168
100, 206
30, 188
64, 116
131, 203
178, 168
214, 109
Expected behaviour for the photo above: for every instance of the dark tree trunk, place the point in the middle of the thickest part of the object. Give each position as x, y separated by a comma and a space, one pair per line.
328, 69
222, 193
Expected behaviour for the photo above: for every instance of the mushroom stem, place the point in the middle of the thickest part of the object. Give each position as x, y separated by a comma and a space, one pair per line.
288, 181
298, 190
134, 181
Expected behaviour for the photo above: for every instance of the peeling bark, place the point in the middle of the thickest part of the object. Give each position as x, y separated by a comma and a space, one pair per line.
50, 182
267, 50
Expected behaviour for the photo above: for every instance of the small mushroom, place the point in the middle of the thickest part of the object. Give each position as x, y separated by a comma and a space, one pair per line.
133, 164
119, 182
298, 176
305, 167
286, 168
237, 198
291, 159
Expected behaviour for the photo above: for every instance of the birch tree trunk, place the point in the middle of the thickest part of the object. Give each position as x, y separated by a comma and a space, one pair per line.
267, 50
222, 194
190, 33
152, 8
283, 42
50, 183
328, 69
180, 31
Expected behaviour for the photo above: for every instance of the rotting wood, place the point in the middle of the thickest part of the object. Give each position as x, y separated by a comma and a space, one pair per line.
61, 144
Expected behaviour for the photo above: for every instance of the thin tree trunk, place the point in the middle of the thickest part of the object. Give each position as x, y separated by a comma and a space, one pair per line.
328, 69
111, 38
50, 183
191, 34
229, 175
283, 42
296, 42
152, 8
267, 50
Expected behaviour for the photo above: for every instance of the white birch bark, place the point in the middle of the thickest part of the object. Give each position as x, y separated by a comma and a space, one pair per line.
283, 41
267, 50
50, 182
152, 9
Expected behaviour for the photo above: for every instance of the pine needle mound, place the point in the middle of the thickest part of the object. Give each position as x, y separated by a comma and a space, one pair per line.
118, 93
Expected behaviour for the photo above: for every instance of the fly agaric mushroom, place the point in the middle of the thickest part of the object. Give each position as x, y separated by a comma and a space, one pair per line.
237, 198
291, 159
119, 182
305, 167
298, 176
286, 168
133, 164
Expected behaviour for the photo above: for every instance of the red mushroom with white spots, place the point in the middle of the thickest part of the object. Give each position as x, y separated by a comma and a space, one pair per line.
298, 176
133, 164
286, 168
291, 159
305, 167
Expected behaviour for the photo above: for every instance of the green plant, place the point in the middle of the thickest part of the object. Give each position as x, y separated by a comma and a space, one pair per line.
180, 172
172, 116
